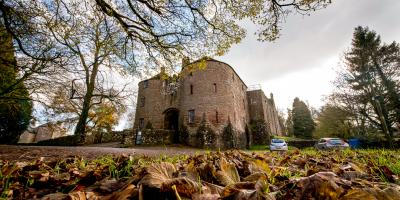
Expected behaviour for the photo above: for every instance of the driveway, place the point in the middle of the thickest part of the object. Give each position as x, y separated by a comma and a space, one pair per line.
28, 153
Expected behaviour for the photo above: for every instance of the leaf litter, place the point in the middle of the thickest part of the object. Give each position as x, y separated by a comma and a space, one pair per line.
235, 174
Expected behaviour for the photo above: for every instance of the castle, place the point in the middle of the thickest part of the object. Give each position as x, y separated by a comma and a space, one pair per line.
204, 90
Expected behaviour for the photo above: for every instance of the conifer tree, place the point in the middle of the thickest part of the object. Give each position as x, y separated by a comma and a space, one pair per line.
370, 81
15, 107
303, 124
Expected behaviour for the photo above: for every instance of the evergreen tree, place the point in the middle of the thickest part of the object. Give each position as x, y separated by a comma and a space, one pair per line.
289, 123
303, 124
15, 107
370, 81
228, 136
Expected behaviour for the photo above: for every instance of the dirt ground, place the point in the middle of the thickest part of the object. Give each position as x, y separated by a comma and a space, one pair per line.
27, 153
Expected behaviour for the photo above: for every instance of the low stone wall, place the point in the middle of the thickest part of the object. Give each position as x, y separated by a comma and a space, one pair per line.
27, 137
209, 140
148, 137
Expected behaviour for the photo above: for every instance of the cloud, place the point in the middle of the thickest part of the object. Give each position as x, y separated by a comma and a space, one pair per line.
308, 44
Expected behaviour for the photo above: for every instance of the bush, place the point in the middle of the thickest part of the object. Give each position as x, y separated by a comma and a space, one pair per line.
260, 132
70, 140
206, 137
302, 143
228, 137
183, 135
149, 125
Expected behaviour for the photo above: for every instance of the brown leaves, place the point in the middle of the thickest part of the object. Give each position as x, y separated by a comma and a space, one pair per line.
372, 194
227, 174
216, 175
157, 174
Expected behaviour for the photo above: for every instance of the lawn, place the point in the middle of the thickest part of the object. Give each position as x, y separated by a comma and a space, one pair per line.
260, 174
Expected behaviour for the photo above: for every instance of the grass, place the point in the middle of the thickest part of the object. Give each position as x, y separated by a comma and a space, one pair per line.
370, 160
259, 148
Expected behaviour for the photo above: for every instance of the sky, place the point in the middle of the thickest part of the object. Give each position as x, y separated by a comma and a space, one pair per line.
304, 60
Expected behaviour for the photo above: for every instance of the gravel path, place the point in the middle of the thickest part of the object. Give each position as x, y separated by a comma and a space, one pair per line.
28, 153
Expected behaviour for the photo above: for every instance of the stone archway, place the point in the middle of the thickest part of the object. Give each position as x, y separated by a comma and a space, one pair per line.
171, 122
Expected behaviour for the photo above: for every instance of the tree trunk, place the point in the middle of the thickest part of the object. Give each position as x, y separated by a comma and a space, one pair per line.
81, 126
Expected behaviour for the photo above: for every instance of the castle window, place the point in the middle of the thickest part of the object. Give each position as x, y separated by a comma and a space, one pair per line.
233, 77
146, 84
244, 104
216, 116
142, 101
215, 87
141, 123
191, 116
191, 89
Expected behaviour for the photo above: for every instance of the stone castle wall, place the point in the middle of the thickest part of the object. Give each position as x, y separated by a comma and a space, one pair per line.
215, 94
263, 108
211, 89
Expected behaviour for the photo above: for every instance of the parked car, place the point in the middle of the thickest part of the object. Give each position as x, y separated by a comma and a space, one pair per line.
278, 145
331, 143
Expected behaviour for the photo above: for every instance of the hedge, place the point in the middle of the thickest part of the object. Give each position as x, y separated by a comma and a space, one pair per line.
70, 140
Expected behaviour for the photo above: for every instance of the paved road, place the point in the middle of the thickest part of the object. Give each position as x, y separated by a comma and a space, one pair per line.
27, 153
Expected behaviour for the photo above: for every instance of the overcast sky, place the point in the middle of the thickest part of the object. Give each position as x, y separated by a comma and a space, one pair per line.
302, 62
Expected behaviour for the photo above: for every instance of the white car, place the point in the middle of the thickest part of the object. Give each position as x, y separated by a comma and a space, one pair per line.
278, 145
331, 143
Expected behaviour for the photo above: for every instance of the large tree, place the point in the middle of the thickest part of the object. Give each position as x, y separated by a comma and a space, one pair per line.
37, 55
303, 124
370, 83
173, 29
85, 35
333, 121
15, 106
96, 47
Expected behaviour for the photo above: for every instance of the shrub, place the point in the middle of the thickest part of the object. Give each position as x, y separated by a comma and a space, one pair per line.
183, 135
70, 140
249, 137
205, 136
228, 137
260, 132
149, 125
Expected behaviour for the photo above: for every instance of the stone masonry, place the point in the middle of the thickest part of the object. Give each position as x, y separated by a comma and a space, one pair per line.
204, 88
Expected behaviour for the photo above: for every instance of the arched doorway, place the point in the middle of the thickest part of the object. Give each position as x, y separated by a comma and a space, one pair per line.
171, 122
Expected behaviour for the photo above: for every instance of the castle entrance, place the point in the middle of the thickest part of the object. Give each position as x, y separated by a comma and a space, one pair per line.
171, 122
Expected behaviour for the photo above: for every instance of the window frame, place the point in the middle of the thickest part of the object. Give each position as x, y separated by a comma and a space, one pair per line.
142, 101
191, 116
141, 123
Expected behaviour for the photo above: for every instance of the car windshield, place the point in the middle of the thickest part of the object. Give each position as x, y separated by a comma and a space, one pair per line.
277, 141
